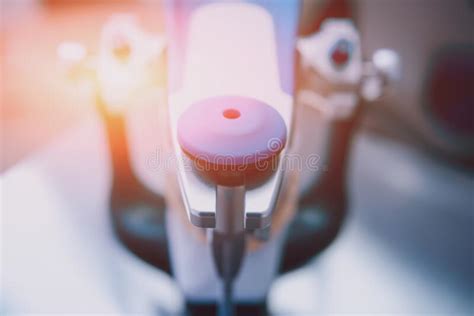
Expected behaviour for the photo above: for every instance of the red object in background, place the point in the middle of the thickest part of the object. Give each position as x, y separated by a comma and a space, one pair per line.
339, 57
340, 53
450, 91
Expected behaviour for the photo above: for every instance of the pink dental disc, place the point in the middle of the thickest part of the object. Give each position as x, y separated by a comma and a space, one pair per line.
232, 140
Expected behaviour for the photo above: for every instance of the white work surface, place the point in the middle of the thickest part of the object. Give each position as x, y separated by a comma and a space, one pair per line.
407, 246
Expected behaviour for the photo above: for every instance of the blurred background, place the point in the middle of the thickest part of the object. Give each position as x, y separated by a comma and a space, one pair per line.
411, 232
38, 102
433, 38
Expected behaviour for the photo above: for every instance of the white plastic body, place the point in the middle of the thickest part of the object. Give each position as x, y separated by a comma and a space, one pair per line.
316, 54
225, 55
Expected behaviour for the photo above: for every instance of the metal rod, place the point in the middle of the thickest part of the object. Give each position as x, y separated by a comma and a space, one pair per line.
225, 305
228, 242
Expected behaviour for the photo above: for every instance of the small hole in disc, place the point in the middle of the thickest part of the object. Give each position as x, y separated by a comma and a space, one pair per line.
231, 114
